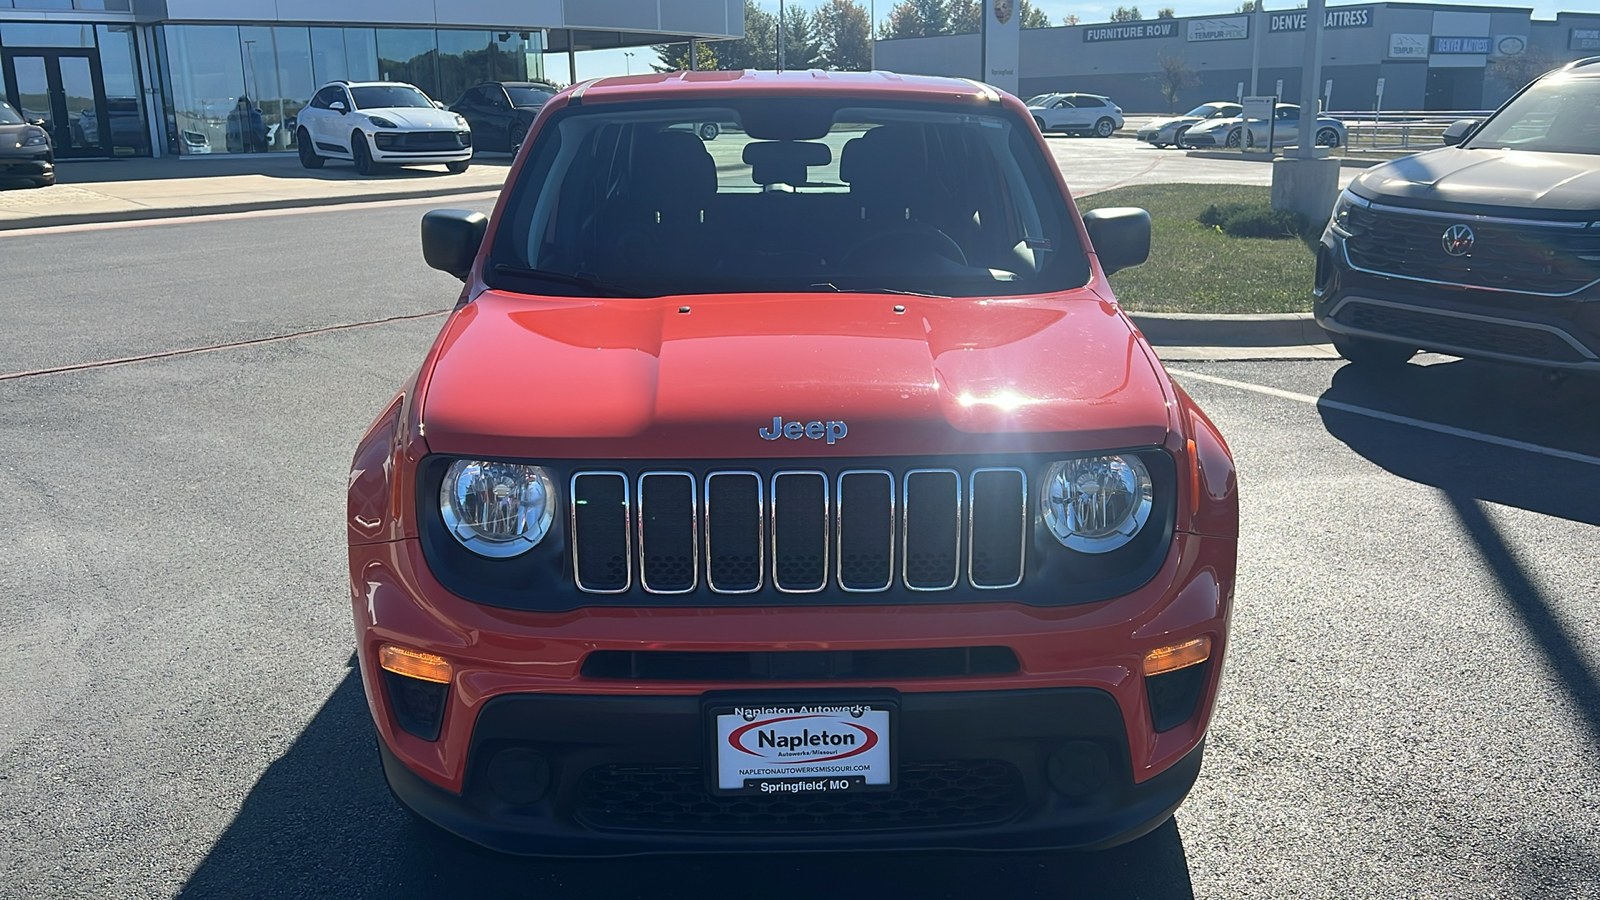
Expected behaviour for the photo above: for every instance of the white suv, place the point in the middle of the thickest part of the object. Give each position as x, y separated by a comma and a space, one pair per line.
1081, 113
380, 122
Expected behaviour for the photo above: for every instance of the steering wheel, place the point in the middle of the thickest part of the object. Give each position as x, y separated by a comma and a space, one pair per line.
903, 241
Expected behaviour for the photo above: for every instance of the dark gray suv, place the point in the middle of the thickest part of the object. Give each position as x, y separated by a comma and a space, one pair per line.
1488, 249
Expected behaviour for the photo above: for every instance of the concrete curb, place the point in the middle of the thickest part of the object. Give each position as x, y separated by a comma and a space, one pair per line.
1245, 330
1344, 161
173, 212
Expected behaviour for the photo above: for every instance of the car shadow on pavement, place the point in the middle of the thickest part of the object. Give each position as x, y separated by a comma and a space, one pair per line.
1505, 402
271, 165
320, 823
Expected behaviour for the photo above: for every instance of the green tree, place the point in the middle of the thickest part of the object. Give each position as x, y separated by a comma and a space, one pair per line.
675, 57
1516, 72
844, 34
1173, 76
1032, 16
916, 18
801, 47
758, 49
1248, 6
966, 16
1127, 14
1070, 19
1166, 12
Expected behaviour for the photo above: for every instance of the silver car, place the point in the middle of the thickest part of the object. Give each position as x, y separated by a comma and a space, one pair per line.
1078, 113
1285, 130
1169, 132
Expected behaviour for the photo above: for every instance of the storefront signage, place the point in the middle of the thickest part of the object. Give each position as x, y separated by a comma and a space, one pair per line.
1233, 28
1510, 44
1461, 45
1133, 31
1408, 46
1358, 17
1584, 39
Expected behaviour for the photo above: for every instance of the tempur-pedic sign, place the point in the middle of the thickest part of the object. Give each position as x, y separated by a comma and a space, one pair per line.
1232, 28
1356, 17
1133, 31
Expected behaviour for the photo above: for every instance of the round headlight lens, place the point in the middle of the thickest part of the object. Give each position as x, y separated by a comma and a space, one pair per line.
497, 509
1098, 503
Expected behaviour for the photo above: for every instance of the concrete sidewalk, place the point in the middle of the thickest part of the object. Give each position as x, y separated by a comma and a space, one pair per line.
125, 189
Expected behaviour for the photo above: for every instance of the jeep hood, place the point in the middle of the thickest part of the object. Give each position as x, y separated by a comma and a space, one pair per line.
590, 378
1522, 180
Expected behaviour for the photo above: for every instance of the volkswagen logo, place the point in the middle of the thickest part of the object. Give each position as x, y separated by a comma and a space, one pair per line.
1457, 240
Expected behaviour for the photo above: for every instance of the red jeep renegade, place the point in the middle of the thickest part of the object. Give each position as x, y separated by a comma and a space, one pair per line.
800, 488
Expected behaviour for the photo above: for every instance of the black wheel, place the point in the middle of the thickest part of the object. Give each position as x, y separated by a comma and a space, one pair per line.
1177, 137
1104, 127
1233, 139
1327, 137
709, 131
1371, 353
308, 153
515, 136
1039, 122
457, 168
360, 154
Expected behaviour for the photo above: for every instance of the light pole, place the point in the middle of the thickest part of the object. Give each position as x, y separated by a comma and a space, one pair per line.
628, 63
780, 36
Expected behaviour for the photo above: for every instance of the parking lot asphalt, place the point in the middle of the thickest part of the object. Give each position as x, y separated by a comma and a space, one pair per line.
1411, 706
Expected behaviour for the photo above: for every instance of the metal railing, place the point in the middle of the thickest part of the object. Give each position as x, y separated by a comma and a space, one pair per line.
1401, 129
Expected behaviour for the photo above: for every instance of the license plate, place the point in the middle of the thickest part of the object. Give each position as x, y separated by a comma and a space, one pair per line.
803, 748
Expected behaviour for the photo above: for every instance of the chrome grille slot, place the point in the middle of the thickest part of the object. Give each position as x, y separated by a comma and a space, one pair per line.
932, 529
668, 532
997, 528
734, 532
601, 548
800, 532
866, 530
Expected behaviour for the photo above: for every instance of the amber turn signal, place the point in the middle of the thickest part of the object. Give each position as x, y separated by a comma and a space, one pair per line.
1178, 656
414, 664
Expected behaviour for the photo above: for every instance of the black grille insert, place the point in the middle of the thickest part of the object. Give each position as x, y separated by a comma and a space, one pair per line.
600, 531
933, 529
800, 531
1513, 256
866, 530
799, 665
1432, 330
999, 519
675, 798
734, 532
667, 532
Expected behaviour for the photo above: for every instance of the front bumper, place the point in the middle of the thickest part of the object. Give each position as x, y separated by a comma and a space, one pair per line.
1500, 326
991, 770
420, 147
27, 164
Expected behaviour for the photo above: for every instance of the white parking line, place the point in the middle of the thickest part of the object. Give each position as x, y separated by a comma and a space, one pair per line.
1391, 417
441, 200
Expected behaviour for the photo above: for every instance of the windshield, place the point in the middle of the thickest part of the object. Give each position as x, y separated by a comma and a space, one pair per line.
1556, 115
8, 115
389, 96
1214, 110
800, 195
528, 96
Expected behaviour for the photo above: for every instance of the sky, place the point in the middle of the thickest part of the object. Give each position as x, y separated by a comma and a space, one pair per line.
598, 63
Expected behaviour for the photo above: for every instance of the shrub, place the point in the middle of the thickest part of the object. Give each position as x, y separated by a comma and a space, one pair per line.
1255, 220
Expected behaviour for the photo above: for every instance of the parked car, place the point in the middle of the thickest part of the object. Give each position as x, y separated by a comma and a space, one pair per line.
1230, 132
1078, 113
1483, 249
500, 112
819, 513
1169, 132
374, 123
26, 152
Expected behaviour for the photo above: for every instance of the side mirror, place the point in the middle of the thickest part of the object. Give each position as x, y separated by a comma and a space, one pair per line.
1120, 236
1459, 131
438, 104
37, 123
450, 239
338, 106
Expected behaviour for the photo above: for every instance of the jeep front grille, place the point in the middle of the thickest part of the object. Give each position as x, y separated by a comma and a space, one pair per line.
798, 531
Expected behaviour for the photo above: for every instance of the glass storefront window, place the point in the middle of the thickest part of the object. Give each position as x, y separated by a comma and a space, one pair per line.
295, 82
46, 34
327, 55
517, 56
257, 116
464, 60
124, 106
409, 55
43, 4
361, 53
206, 72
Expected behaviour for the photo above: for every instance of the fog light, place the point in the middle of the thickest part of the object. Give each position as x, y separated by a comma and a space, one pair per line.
519, 775
1078, 769
1177, 656
418, 685
414, 664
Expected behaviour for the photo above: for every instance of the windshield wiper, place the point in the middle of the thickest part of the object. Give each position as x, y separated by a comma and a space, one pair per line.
579, 279
873, 290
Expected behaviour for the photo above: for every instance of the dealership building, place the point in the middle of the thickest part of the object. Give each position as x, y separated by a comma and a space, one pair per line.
197, 77
1425, 56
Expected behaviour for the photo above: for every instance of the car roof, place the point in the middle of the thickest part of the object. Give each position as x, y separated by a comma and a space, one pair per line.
356, 84
753, 83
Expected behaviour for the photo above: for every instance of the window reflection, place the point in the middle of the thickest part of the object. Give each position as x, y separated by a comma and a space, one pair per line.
295, 82
361, 53
207, 80
257, 115
124, 108
409, 55
327, 55
464, 60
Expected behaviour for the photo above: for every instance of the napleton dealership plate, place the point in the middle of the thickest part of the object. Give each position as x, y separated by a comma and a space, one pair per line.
803, 748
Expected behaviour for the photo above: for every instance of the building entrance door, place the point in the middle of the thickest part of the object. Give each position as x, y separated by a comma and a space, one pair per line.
63, 89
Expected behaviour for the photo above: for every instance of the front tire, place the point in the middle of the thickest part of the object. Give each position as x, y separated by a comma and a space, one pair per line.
1234, 138
360, 155
1369, 353
308, 153
515, 137
1040, 122
1104, 127
709, 131
456, 168
1327, 137
1177, 138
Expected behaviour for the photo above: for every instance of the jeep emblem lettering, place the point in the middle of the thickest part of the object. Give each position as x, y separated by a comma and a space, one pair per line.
831, 431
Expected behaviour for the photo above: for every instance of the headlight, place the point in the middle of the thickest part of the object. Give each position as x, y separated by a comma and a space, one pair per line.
381, 122
1098, 503
1340, 220
37, 139
497, 509
461, 120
